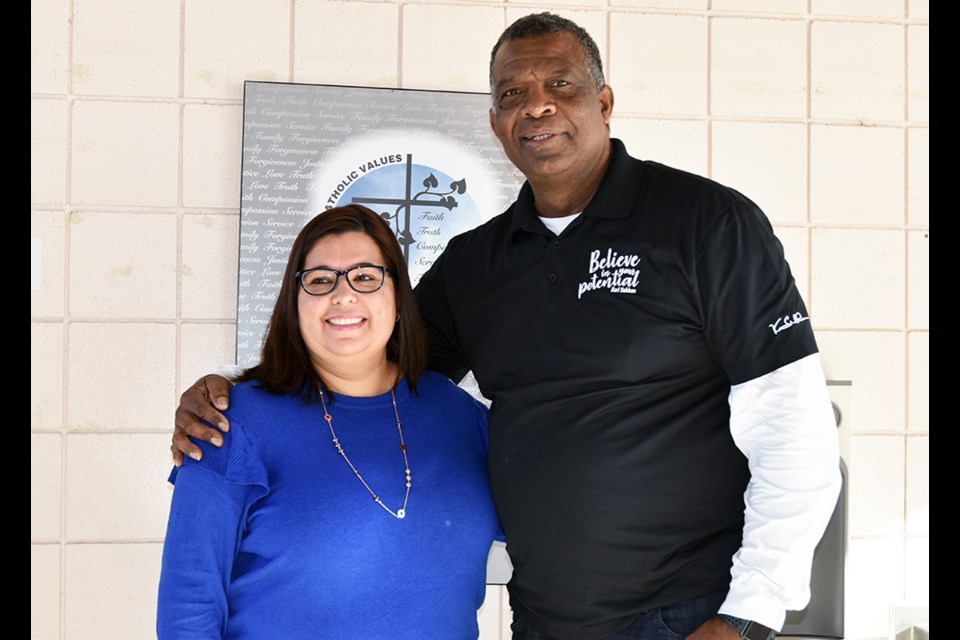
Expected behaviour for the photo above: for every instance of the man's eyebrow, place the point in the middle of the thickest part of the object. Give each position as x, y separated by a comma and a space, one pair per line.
559, 71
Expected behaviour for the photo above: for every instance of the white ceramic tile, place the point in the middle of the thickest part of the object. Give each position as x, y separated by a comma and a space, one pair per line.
796, 248
325, 43
48, 150
876, 487
111, 591
917, 579
204, 348
918, 484
858, 278
874, 363
47, 228
132, 470
873, 583
856, 71
209, 270
447, 47
767, 162
918, 9
124, 153
549, 5
658, 63
918, 372
758, 67
681, 144
217, 53
507, 616
44, 592
856, 175
46, 375
918, 279
45, 486
489, 615
861, 8
918, 176
212, 145
123, 265
126, 47
918, 73
661, 4
121, 376
49, 45
787, 7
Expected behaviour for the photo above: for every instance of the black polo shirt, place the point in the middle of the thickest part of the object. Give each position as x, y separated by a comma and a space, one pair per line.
608, 353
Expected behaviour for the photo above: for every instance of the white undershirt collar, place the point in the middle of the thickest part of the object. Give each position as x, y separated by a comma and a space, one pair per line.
557, 225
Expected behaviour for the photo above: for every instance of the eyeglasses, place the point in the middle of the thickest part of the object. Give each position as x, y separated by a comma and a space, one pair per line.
365, 278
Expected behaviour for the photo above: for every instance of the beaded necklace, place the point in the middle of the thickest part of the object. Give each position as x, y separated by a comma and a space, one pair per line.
401, 512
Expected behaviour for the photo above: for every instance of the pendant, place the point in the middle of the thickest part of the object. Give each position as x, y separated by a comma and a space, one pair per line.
401, 513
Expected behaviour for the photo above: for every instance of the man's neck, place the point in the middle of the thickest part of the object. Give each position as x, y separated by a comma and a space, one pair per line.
558, 196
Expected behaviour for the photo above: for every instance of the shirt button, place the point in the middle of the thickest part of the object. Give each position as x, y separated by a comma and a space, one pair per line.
557, 244
552, 277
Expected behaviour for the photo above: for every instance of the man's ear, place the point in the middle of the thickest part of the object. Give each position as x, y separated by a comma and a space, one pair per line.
606, 103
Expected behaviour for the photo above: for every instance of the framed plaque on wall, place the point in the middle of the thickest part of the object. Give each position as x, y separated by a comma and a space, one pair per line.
426, 161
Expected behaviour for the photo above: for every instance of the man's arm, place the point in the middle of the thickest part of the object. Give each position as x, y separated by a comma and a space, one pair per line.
785, 426
784, 423
200, 404
446, 355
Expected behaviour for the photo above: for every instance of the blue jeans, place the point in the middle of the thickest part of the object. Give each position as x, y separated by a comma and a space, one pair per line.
673, 622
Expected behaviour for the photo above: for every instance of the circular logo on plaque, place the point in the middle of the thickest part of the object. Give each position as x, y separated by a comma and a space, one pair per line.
423, 187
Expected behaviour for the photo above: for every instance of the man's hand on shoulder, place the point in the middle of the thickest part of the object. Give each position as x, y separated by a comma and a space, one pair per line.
203, 401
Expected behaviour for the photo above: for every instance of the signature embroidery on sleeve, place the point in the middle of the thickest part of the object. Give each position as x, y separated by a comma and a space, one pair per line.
787, 321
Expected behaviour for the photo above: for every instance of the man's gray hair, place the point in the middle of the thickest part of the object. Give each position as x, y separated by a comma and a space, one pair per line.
542, 24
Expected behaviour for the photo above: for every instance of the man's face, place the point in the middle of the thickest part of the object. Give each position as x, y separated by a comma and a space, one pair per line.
548, 115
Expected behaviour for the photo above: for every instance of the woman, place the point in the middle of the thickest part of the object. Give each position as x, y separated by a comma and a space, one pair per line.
372, 516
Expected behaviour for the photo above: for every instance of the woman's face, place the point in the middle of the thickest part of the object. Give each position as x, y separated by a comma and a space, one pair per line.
344, 327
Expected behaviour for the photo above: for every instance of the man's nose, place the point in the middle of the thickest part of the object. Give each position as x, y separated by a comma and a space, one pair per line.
538, 104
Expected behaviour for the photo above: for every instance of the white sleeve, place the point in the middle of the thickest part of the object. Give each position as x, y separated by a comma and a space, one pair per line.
228, 371
784, 424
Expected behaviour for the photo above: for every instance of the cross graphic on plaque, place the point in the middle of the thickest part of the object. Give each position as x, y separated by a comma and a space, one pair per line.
428, 197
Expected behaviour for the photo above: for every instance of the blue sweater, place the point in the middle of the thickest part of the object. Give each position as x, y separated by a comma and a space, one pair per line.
273, 536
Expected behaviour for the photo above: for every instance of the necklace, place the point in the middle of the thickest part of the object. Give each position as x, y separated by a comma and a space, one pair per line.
401, 512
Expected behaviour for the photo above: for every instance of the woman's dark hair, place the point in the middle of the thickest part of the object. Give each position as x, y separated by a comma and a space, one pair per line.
285, 367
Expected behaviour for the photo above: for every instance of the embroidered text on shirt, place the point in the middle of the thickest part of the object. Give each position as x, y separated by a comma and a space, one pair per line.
615, 272
787, 321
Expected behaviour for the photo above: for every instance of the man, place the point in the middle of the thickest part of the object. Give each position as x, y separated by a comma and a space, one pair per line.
663, 454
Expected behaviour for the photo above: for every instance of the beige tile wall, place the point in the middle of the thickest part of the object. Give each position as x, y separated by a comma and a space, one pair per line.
817, 109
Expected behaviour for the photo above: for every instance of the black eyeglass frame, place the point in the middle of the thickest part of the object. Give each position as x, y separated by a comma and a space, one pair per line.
384, 272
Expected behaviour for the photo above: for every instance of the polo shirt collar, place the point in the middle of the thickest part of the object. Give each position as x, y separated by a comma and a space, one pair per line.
619, 185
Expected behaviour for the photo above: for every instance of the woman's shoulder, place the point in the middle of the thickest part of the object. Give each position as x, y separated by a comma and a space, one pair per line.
246, 398
437, 387
252, 405
247, 391
440, 384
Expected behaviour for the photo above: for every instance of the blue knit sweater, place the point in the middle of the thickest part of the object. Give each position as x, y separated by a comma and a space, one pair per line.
273, 536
